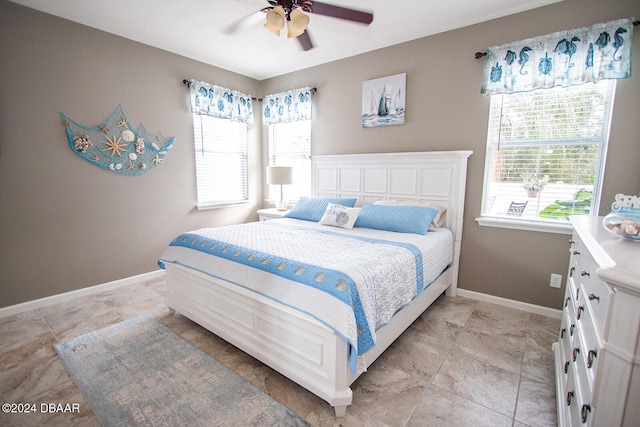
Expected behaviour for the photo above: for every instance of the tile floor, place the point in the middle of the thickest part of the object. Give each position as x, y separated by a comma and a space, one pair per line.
462, 363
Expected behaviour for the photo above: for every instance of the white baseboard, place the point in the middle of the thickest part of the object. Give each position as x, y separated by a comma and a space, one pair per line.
524, 306
55, 299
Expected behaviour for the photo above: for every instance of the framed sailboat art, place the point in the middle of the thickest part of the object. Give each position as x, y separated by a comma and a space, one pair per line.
383, 101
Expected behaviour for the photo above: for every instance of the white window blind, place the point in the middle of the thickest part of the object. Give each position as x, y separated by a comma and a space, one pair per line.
221, 161
551, 140
290, 145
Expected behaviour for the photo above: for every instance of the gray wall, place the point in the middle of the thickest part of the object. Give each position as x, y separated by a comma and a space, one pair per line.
66, 224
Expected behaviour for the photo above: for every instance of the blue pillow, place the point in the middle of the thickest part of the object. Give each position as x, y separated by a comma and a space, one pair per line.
403, 219
313, 208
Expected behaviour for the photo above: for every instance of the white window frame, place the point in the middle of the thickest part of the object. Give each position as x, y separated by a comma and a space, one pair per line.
221, 159
537, 224
283, 155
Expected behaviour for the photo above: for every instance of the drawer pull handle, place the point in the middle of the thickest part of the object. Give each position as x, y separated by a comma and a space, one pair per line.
580, 310
592, 354
576, 253
571, 271
571, 242
584, 413
594, 297
566, 301
569, 398
562, 332
575, 353
585, 273
571, 329
566, 367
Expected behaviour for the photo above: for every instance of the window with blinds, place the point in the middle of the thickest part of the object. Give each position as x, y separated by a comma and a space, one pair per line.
221, 161
290, 145
546, 151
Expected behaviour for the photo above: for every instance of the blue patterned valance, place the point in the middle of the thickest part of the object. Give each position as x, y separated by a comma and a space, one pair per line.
216, 101
286, 107
602, 51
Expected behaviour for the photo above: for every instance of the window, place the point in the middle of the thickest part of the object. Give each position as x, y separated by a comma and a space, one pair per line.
545, 155
290, 145
221, 161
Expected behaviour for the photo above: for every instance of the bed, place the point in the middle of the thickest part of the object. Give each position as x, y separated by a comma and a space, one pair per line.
313, 301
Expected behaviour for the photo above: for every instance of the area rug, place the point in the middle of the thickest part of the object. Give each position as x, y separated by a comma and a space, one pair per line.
139, 373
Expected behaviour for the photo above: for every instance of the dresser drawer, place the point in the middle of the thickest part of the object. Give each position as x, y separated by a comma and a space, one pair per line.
569, 401
598, 297
596, 292
585, 357
569, 312
575, 401
591, 339
572, 294
565, 343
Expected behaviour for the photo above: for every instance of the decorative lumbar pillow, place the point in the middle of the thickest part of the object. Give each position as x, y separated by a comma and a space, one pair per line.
313, 208
340, 216
438, 222
403, 219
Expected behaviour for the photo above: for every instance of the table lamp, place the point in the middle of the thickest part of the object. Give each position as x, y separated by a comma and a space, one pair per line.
280, 175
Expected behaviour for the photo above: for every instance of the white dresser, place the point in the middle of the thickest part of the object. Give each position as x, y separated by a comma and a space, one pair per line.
597, 356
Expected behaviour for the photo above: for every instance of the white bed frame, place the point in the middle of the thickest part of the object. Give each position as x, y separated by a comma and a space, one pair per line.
293, 343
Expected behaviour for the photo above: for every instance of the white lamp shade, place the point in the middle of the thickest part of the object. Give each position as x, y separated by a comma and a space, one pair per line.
279, 175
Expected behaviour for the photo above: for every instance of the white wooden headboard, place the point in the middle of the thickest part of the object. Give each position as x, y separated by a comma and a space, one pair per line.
438, 176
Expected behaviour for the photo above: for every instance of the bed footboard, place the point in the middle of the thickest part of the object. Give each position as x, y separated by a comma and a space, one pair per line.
288, 341
292, 343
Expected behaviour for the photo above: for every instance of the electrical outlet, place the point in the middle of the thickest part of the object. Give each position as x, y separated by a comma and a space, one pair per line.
556, 280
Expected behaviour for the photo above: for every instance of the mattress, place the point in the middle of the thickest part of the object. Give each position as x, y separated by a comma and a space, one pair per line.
353, 281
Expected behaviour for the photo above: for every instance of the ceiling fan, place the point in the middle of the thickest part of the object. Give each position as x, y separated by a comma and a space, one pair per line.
291, 13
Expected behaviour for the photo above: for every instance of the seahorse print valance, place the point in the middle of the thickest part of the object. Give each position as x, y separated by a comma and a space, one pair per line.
211, 100
286, 107
590, 54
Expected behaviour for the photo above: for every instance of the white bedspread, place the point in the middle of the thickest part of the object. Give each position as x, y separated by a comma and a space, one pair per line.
356, 279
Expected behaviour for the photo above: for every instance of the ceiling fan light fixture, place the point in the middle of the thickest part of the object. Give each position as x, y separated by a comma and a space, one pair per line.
275, 20
297, 23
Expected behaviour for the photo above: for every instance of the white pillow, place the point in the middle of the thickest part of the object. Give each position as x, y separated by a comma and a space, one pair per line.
340, 216
438, 222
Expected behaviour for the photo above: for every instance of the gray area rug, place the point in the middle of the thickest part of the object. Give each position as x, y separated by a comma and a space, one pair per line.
138, 372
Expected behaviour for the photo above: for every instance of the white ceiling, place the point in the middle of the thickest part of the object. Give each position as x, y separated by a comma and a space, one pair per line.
194, 28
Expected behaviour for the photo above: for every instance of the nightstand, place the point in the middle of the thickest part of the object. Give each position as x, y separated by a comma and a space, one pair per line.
270, 213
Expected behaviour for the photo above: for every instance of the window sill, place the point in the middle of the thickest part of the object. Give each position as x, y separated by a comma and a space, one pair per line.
520, 224
205, 207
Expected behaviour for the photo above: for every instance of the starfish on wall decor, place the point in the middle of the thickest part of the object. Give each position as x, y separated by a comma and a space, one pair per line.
115, 146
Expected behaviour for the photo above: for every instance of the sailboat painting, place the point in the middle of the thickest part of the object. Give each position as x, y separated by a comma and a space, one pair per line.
383, 101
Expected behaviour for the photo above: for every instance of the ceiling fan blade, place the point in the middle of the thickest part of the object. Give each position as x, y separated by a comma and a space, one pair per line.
305, 41
341, 12
245, 22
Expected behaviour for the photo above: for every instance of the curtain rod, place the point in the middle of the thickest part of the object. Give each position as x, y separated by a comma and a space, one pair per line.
313, 90
479, 55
